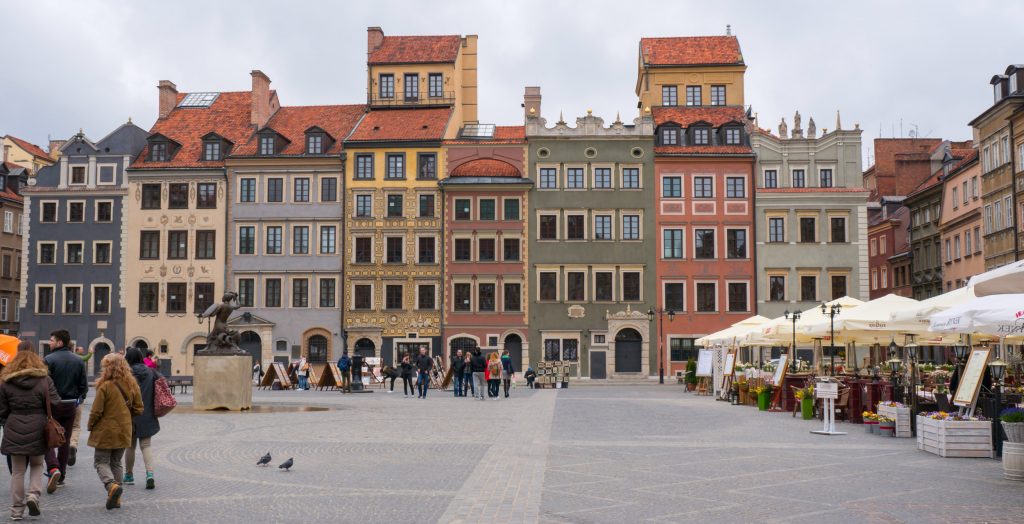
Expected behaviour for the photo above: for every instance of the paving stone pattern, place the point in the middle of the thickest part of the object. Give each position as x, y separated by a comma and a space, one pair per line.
588, 454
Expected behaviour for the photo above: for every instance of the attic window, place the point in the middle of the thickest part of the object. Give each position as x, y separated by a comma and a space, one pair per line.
198, 100
701, 137
732, 136
158, 152
267, 145
315, 143
212, 150
669, 136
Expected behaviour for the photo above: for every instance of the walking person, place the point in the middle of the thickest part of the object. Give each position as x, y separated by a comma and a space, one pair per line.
507, 371
25, 390
467, 374
458, 365
406, 373
478, 364
257, 373
118, 399
345, 365
423, 366
76, 428
144, 426
493, 375
68, 374
303, 374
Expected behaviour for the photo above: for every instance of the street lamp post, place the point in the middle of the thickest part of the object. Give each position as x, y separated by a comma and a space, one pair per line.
661, 348
794, 316
894, 364
832, 310
998, 369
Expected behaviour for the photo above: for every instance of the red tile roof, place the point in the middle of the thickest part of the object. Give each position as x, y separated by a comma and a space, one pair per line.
31, 148
691, 50
703, 150
228, 116
292, 123
416, 50
502, 135
11, 195
714, 115
401, 125
486, 167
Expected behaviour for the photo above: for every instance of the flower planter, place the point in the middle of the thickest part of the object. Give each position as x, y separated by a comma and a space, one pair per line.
763, 399
870, 426
901, 416
1013, 460
954, 438
885, 431
1014, 431
807, 408
743, 393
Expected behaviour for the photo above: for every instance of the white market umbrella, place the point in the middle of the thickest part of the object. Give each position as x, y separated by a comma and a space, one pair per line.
732, 333
780, 329
1008, 279
873, 316
995, 315
918, 318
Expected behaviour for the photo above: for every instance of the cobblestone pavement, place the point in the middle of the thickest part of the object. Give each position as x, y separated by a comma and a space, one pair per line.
586, 454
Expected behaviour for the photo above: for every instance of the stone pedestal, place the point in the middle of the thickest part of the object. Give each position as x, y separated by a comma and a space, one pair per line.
222, 382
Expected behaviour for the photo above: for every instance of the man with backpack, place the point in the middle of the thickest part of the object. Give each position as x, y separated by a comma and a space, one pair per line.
345, 366
68, 373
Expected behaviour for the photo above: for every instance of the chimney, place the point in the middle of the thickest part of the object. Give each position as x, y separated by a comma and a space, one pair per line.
55, 146
531, 102
168, 97
374, 39
260, 98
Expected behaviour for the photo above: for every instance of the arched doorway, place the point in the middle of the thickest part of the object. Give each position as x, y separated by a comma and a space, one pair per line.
251, 343
317, 349
514, 346
365, 348
628, 351
466, 344
100, 350
141, 344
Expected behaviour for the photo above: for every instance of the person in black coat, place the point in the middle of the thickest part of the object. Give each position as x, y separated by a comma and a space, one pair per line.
146, 425
458, 365
406, 373
478, 364
423, 365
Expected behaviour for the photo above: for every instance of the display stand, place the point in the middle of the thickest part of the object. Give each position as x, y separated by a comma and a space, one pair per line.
727, 376
277, 373
777, 382
331, 377
827, 390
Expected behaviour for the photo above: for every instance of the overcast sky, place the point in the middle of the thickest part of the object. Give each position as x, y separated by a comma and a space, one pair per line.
92, 64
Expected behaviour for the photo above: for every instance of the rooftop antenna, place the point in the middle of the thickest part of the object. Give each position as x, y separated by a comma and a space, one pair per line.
728, 30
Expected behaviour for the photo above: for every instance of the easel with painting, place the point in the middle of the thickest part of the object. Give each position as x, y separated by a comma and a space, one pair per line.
728, 373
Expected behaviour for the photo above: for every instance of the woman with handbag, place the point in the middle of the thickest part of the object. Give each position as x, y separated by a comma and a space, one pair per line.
118, 399
146, 425
27, 397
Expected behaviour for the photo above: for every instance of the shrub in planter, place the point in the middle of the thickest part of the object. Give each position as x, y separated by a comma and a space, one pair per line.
1013, 424
691, 375
886, 427
764, 397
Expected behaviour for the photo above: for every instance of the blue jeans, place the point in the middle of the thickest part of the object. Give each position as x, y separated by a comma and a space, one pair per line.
422, 383
467, 383
458, 386
303, 382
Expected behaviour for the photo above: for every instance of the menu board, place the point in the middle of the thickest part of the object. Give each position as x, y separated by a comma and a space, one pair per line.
704, 363
970, 381
780, 370
730, 364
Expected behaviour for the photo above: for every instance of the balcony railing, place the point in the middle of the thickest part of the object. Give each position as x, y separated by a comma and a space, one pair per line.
446, 98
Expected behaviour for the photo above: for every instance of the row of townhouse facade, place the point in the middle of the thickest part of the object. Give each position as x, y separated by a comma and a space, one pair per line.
404, 222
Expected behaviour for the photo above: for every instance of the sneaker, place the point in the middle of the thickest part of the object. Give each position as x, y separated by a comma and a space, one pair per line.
33, 507
72, 456
129, 479
55, 476
150, 483
114, 495
16, 517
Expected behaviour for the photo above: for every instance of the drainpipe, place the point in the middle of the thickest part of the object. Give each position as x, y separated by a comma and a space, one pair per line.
443, 284
753, 233
343, 237
1013, 197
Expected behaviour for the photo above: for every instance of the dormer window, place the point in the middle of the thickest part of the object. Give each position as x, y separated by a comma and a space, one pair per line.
669, 136
386, 86
212, 150
435, 85
315, 144
267, 145
997, 91
412, 87
1013, 82
158, 152
732, 136
701, 136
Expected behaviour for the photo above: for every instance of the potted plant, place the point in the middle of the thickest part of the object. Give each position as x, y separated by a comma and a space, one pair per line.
764, 396
743, 387
886, 426
806, 398
1013, 424
691, 375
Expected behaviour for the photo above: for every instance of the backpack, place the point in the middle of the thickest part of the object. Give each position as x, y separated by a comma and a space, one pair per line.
344, 363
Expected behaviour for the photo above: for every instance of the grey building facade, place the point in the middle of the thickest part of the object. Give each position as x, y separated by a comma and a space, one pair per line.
811, 218
592, 244
72, 264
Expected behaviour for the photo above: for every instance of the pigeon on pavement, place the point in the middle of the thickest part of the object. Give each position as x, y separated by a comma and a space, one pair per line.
264, 460
287, 466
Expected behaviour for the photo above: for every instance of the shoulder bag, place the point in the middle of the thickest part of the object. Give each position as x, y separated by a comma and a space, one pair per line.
163, 399
53, 432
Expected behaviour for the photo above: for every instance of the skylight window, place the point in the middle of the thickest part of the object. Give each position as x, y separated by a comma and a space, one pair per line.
198, 100
478, 131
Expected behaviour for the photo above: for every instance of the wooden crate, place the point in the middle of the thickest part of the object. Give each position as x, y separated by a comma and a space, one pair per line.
955, 438
902, 418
